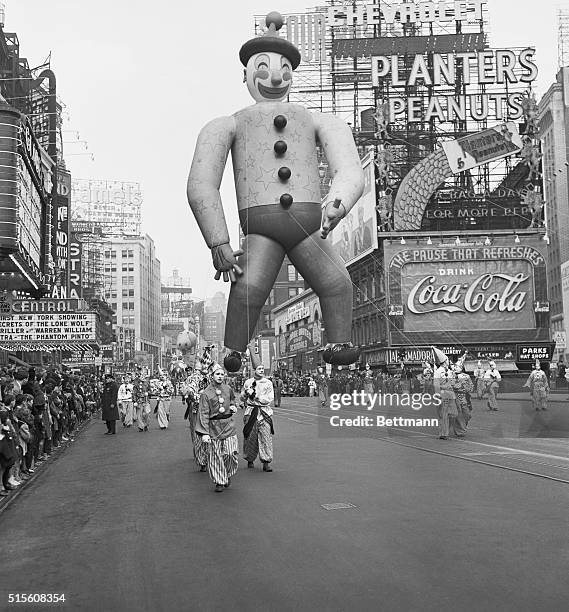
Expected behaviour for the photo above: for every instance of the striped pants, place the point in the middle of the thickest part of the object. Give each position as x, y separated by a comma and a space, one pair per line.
223, 459
259, 442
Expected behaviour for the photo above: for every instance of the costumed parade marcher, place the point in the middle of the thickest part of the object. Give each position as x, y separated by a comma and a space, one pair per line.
258, 430
195, 384
479, 378
427, 379
492, 380
166, 390
215, 424
443, 379
141, 401
275, 164
323, 387
278, 387
126, 407
109, 404
538, 387
463, 387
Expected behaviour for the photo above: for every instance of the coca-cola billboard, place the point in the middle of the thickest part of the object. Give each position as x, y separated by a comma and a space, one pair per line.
451, 290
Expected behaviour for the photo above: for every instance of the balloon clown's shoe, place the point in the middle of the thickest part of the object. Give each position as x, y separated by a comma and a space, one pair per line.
232, 361
341, 354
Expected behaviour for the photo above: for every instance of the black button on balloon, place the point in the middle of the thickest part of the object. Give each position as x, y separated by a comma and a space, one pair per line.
286, 200
284, 173
280, 147
280, 122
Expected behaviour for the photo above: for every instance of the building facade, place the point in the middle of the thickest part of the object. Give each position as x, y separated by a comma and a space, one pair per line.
134, 295
554, 132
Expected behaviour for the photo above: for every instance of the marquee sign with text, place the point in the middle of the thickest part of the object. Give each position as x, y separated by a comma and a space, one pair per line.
60, 327
466, 287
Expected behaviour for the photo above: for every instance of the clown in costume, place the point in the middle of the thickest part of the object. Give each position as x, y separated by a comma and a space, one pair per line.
479, 377
257, 396
538, 387
216, 426
492, 380
273, 146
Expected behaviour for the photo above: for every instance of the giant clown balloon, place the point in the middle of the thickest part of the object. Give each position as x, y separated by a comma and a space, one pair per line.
275, 165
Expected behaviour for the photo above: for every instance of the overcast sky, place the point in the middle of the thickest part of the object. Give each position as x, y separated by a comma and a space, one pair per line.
140, 78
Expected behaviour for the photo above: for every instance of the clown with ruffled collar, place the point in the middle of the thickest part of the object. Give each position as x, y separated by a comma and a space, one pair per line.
216, 426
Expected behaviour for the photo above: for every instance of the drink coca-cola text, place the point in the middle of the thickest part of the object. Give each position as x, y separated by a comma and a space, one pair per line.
487, 293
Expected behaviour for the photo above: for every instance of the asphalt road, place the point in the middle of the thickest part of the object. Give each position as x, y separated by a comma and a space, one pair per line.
126, 522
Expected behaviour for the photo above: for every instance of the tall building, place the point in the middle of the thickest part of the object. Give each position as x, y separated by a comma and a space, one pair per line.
217, 303
134, 295
213, 327
554, 132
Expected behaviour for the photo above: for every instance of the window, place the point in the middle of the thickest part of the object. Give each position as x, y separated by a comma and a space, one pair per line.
107, 254
125, 267
125, 280
124, 253
300, 290
131, 305
131, 267
125, 320
267, 318
292, 292
291, 273
125, 292
130, 253
113, 254
114, 294
131, 292
125, 305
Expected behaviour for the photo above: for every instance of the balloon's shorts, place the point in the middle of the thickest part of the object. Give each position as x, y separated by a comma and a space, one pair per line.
288, 227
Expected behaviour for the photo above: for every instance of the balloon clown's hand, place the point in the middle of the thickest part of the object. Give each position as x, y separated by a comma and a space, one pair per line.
225, 262
333, 214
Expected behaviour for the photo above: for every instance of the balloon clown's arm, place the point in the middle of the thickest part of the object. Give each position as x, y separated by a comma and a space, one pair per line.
343, 160
210, 157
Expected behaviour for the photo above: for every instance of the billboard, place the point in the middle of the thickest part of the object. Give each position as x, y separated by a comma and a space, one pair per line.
468, 288
60, 230
356, 235
476, 149
75, 273
115, 206
61, 327
565, 294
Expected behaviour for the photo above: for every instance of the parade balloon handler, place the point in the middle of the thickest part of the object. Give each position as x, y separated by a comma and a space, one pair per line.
215, 424
275, 164
492, 380
538, 387
258, 431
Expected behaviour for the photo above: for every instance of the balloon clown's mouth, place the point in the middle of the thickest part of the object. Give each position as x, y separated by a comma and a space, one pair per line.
272, 92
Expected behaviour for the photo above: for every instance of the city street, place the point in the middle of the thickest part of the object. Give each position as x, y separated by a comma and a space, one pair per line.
126, 522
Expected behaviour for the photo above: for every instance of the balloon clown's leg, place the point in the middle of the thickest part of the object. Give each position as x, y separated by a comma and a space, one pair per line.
325, 272
261, 262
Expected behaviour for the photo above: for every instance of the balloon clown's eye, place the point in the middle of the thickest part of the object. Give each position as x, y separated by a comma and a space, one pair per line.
262, 66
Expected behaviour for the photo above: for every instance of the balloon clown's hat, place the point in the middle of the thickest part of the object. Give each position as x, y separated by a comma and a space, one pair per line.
271, 41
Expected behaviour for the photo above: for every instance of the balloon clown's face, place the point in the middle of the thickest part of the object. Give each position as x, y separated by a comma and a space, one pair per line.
268, 76
218, 376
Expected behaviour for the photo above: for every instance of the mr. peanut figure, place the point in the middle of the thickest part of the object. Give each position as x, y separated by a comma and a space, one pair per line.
275, 165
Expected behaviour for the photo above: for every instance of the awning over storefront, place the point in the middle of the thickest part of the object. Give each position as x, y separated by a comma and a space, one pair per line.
503, 365
45, 346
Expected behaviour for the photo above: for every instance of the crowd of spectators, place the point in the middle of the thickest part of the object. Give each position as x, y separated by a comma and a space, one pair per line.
347, 381
39, 411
